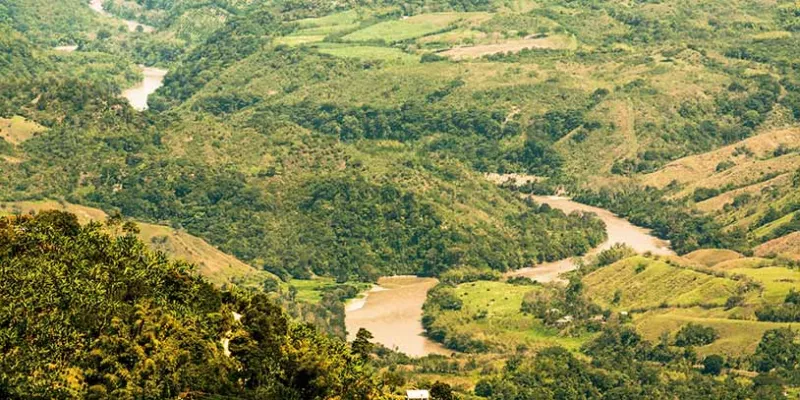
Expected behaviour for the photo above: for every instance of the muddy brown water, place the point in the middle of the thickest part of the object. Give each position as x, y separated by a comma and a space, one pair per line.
153, 77
392, 311
137, 95
619, 230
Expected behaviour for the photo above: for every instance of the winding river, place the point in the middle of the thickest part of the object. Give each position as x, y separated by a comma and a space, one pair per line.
97, 5
619, 230
392, 311
137, 95
153, 77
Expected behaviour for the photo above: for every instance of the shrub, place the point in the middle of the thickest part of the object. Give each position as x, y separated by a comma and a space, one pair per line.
617, 252
695, 335
712, 365
468, 274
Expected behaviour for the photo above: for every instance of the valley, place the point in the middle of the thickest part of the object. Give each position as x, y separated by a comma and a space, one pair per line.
503, 200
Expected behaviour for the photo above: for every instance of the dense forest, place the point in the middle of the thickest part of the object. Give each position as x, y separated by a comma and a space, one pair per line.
323, 147
89, 314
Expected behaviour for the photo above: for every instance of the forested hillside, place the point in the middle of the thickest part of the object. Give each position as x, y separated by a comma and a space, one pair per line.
299, 151
90, 315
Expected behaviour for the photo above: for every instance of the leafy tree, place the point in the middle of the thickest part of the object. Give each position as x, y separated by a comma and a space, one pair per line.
442, 391
695, 335
779, 350
361, 346
712, 365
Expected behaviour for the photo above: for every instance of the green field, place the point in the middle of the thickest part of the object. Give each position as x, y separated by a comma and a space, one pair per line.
410, 27
336, 19
646, 283
389, 55
311, 290
491, 314
737, 337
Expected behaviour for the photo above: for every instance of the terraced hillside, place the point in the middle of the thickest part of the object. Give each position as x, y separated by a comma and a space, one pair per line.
715, 288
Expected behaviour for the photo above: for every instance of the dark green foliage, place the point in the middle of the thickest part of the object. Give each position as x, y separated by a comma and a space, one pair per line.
240, 37
712, 365
611, 255
695, 335
472, 135
442, 391
90, 315
789, 311
431, 57
468, 274
687, 231
622, 366
778, 350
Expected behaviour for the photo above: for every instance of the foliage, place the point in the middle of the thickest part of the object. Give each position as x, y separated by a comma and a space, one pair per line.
468, 274
95, 315
712, 365
789, 311
668, 219
695, 335
616, 252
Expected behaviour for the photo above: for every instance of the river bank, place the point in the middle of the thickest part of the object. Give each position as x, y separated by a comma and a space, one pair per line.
137, 95
97, 5
392, 312
619, 230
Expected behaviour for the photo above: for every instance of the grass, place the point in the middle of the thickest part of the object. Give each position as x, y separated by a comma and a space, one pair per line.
16, 129
411, 27
711, 257
777, 281
767, 229
342, 18
787, 246
737, 337
646, 283
388, 54
512, 46
504, 326
311, 290
298, 40
215, 265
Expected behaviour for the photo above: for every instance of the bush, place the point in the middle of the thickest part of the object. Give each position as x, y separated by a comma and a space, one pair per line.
431, 57
695, 335
712, 365
617, 252
468, 274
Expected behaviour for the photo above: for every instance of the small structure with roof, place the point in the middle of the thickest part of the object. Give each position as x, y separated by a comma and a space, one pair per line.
417, 395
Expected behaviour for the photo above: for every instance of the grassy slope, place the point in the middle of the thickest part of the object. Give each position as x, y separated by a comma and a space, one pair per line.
711, 257
672, 295
216, 266
656, 284
504, 327
16, 129
787, 246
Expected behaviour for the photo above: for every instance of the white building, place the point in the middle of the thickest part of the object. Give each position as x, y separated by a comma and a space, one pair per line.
417, 395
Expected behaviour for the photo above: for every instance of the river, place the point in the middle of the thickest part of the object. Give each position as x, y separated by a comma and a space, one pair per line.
619, 230
97, 5
137, 95
153, 77
392, 311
